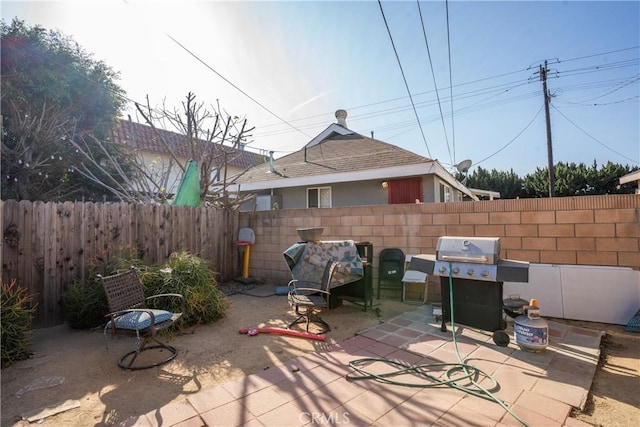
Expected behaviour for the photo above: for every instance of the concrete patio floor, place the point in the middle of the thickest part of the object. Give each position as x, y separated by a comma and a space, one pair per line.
539, 388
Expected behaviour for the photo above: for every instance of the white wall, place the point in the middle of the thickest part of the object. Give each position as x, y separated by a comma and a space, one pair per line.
590, 293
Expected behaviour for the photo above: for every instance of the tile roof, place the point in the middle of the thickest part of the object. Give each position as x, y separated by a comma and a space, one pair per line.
337, 154
143, 137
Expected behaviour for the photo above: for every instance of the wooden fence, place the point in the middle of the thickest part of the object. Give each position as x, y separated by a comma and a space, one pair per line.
47, 246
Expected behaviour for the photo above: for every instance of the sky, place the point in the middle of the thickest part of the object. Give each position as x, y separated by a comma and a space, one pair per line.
450, 80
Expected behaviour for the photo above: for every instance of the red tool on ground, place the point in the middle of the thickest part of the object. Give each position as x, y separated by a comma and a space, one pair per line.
281, 331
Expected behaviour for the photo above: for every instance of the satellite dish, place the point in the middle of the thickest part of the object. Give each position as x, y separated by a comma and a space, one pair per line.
464, 166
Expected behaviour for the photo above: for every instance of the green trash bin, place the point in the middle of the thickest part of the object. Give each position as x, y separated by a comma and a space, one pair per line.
391, 269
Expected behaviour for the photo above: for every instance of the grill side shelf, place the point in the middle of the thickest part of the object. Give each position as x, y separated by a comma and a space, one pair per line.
513, 271
423, 263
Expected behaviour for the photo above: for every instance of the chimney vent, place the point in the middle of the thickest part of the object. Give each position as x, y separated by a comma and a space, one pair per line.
271, 168
341, 115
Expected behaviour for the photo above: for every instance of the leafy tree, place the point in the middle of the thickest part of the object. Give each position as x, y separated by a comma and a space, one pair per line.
508, 184
51, 91
578, 180
607, 179
571, 180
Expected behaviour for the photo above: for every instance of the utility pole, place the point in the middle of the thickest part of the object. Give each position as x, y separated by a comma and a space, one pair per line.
547, 100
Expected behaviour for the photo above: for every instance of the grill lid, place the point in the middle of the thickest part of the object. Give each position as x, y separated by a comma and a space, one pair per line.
477, 250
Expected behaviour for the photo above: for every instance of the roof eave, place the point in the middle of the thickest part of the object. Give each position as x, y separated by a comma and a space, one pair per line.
432, 167
630, 177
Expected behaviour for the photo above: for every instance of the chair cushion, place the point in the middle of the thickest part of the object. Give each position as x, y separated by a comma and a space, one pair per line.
308, 300
138, 320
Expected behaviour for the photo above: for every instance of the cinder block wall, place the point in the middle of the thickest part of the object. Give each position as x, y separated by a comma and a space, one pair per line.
587, 230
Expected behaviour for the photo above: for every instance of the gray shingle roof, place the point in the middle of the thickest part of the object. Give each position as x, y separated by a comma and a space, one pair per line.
337, 154
143, 137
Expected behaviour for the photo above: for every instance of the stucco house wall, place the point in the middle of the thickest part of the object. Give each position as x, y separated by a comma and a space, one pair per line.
358, 193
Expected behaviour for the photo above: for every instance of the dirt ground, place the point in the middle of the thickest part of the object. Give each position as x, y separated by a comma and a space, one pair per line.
614, 398
75, 369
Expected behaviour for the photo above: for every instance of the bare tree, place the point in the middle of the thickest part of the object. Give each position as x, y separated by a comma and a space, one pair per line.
125, 175
211, 139
35, 158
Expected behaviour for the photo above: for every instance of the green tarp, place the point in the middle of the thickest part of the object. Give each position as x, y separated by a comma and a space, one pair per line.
189, 192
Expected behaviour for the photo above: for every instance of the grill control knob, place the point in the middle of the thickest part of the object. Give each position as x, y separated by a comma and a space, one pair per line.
456, 270
471, 272
486, 273
443, 269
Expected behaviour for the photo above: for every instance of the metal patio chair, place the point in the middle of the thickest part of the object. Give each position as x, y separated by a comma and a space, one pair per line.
311, 296
128, 313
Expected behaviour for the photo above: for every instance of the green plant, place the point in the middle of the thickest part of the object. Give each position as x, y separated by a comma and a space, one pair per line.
16, 315
192, 277
85, 304
111, 263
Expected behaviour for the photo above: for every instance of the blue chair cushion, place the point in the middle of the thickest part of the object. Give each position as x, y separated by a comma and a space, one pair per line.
634, 323
139, 320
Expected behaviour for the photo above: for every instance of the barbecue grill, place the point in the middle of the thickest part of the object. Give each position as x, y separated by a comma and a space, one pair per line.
477, 273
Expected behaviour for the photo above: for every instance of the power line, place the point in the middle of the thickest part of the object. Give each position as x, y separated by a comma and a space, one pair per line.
600, 54
434, 118
458, 85
433, 75
399, 109
514, 138
602, 104
592, 137
209, 67
479, 105
598, 68
608, 92
404, 78
599, 84
233, 85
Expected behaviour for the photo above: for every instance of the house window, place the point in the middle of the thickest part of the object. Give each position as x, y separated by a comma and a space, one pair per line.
319, 197
405, 191
445, 192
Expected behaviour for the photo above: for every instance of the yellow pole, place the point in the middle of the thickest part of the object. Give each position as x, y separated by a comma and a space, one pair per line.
245, 270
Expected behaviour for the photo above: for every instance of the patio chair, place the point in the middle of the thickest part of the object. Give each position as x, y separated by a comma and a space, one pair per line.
311, 295
128, 313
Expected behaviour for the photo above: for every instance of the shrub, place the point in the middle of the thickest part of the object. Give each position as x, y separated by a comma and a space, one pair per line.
85, 304
16, 315
192, 277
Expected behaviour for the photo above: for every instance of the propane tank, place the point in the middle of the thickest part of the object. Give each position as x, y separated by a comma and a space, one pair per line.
530, 331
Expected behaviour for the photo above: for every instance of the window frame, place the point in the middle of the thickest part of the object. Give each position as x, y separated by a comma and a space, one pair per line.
319, 197
446, 192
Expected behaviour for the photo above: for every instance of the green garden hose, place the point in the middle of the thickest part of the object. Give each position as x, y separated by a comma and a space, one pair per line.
454, 376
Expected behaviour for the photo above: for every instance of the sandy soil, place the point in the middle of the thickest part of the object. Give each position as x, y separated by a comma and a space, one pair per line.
75, 368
